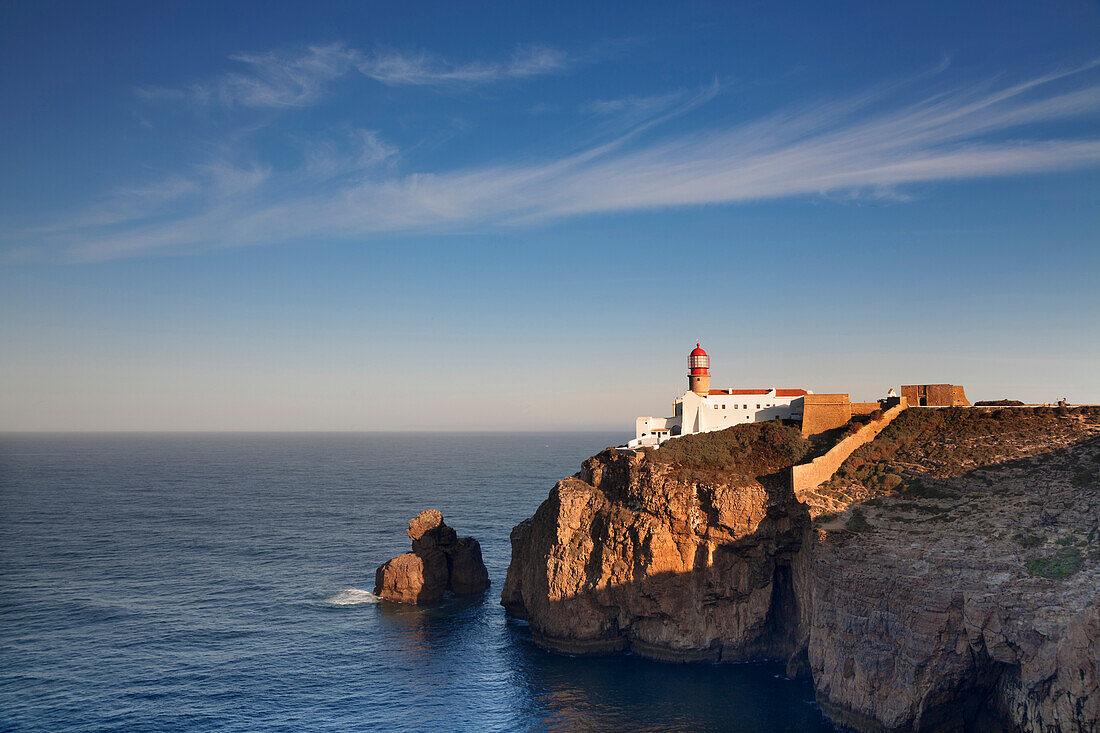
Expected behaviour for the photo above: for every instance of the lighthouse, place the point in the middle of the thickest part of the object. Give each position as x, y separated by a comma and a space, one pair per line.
701, 409
699, 371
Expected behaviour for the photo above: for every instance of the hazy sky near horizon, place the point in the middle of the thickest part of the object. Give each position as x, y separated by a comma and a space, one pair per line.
342, 216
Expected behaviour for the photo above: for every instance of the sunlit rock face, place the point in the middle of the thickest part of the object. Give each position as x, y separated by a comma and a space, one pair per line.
954, 583
440, 562
672, 564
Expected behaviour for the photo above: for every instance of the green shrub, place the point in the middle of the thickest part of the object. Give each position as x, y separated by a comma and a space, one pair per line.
891, 481
750, 449
858, 522
1083, 478
922, 490
1028, 540
1061, 564
908, 506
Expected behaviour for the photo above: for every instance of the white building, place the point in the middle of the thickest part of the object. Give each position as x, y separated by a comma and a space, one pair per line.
702, 409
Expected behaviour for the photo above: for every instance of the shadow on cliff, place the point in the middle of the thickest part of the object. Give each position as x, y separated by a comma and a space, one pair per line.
1076, 466
1000, 680
1005, 682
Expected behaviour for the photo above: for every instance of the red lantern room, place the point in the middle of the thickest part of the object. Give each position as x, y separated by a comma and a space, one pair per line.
699, 372
698, 361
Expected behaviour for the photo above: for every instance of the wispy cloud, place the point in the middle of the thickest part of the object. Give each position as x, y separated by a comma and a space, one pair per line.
865, 145
297, 79
268, 80
396, 69
356, 151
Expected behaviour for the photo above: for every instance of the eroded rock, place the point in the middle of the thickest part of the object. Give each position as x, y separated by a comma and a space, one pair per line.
427, 530
412, 578
633, 554
468, 573
440, 562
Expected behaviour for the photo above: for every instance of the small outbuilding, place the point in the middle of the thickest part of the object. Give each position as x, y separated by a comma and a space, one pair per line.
935, 395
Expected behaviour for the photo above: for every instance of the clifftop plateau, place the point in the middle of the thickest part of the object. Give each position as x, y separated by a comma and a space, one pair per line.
946, 578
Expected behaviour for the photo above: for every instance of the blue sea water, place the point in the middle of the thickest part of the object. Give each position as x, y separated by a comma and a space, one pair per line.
221, 582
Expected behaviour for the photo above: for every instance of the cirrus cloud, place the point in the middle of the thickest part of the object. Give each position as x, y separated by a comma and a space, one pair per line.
298, 79
869, 144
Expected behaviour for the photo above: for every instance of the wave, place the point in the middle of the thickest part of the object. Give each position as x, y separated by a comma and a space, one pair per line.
352, 597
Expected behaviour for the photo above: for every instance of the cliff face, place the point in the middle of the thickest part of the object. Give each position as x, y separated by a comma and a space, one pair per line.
961, 580
953, 582
671, 562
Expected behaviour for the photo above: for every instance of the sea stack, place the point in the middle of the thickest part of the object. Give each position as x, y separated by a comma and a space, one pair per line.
441, 561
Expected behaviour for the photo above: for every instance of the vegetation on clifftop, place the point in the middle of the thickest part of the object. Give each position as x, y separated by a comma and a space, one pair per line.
952, 440
750, 449
1018, 483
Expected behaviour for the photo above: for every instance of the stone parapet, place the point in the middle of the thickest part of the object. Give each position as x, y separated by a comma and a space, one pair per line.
807, 476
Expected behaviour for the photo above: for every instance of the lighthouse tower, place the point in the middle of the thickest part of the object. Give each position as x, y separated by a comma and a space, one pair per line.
699, 371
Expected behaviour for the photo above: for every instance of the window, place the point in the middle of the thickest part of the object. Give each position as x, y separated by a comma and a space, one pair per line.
744, 407
723, 407
758, 407
716, 407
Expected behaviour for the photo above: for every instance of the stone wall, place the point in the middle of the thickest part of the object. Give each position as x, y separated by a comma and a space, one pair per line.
810, 475
865, 408
935, 395
821, 412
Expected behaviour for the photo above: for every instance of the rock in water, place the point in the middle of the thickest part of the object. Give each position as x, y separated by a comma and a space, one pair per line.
440, 561
427, 530
468, 573
412, 578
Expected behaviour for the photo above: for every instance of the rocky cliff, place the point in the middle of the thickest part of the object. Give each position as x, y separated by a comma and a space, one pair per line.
947, 577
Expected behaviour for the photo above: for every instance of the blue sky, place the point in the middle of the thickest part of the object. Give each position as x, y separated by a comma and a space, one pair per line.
512, 215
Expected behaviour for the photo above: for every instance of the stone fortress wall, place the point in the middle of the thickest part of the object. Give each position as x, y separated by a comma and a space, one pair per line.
935, 395
810, 475
821, 412
828, 411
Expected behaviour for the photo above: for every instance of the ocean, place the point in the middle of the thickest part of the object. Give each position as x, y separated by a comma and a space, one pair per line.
167, 582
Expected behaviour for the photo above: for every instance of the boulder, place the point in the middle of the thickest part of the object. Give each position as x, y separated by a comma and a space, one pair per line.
440, 561
412, 578
427, 530
468, 573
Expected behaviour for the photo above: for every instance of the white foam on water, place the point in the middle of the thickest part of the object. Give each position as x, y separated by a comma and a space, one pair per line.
352, 597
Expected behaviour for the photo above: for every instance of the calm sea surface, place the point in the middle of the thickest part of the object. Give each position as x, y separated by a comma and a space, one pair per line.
220, 582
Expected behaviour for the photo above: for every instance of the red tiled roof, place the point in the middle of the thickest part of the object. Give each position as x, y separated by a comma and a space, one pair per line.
778, 392
739, 391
